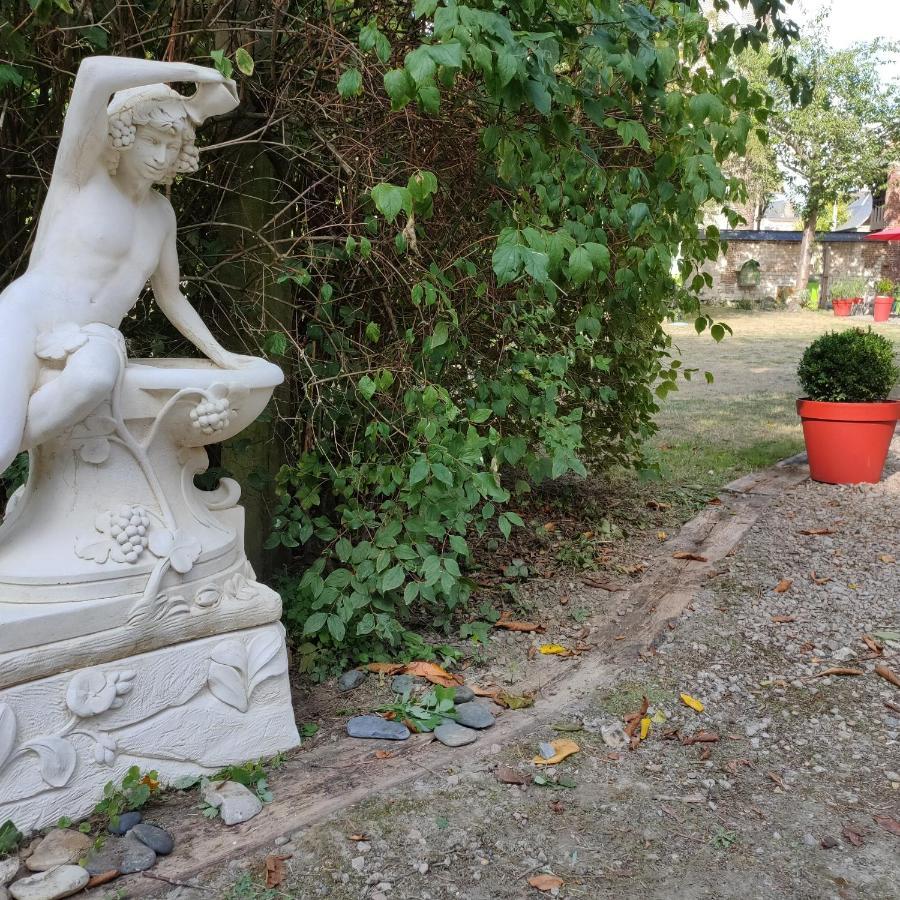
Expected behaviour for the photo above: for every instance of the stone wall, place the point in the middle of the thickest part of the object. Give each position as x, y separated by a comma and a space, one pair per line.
778, 255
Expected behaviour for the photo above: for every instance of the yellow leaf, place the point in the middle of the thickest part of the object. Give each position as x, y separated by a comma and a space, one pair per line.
688, 700
661, 535
659, 717
646, 725
554, 650
887, 558
564, 747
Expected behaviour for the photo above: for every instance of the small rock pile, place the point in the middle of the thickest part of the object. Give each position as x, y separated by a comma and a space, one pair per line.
462, 728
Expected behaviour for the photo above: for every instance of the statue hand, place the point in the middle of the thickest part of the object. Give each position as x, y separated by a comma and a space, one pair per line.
228, 360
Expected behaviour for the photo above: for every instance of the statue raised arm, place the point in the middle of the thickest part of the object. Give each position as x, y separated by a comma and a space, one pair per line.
102, 234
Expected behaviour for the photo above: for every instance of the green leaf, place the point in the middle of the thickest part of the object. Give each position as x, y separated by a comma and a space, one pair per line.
399, 87
424, 8
336, 627
366, 387
580, 265
244, 61
350, 83
276, 343
390, 200
420, 65
366, 625
480, 415
221, 62
439, 335
442, 474
539, 96
419, 471
449, 54
393, 578
506, 263
315, 623
636, 215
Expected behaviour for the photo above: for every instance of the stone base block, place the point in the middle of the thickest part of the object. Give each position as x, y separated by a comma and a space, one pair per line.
187, 709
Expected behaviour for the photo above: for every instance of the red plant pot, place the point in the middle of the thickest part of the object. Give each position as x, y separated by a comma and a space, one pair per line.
883, 307
843, 305
847, 443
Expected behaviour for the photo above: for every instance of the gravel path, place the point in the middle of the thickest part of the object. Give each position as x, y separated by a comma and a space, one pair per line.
799, 796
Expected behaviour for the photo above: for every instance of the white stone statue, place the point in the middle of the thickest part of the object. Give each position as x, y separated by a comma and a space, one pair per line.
132, 630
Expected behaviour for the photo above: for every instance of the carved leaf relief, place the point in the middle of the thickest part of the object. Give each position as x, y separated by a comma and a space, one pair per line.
228, 674
7, 732
265, 659
57, 759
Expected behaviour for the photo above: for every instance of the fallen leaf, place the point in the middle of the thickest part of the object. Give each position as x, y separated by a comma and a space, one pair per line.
782, 620
839, 670
102, 878
888, 823
274, 870
852, 835
700, 737
783, 585
774, 776
694, 704
545, 882
733, 765
705, 754
383, 668
564, 748
357, 837
550, 526
508, 775
828, 842
661, 535
383, 754
512, 625
686, 554
554, 650
887, 558
887, 635
564, 600
873, 645
434, 673
817, 531
557, 807
816, 579
633, 720
888, 675
513, 701
658, 505
646, 725
714, 501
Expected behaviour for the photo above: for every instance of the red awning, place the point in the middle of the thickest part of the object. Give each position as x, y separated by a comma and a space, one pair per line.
886, 234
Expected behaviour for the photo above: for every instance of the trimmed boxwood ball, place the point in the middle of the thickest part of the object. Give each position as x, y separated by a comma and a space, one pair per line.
852, 366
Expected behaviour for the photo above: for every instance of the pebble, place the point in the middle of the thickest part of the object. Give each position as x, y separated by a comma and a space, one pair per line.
375, 727
235, 802
350, 680
157, 839
60, 847
8, 869
63, 881
546, 750
126, 822
402, 684
754, 728
464, 694
474, 715
453, 735
124, 855
614, 736
358, 863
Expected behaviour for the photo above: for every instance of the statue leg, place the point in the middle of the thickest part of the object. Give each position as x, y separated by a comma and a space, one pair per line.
18, 373
89, 377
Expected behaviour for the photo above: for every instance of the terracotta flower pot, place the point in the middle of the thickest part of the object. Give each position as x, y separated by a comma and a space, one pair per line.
843, 305
883, 306
847, 443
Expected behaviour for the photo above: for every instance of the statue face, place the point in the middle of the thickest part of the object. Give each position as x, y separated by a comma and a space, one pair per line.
152, 156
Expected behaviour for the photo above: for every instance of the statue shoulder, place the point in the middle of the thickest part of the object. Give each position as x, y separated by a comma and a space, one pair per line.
161, 208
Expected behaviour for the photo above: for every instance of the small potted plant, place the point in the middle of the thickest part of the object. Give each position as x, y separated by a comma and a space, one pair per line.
848, 420
844, 293
884, 299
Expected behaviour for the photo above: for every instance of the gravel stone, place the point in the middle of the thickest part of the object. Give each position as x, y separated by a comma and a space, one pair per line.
126, 822
61, 846
63, 881
464, 694
235, 802
374, 727
157, 839
350, 680
453, 735
474, 715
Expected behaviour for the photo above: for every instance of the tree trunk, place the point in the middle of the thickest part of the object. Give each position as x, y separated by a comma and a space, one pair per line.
806, 249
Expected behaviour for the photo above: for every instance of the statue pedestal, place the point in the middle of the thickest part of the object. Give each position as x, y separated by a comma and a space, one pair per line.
132, 630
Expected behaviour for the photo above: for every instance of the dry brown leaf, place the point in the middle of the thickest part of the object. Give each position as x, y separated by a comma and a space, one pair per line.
545, 882
557, 807
872, 644
383, 754
512, 625
102, 878
357, 837
783, 620
508, 775
838, 670
887, 558
564, 748
515, 701
700, 737
705, 754
658, 505
888, 823
783, 585
564, 600
383, 668
888, 675
733, 765
479, 691
274, 870
774, 776
686, 554
714, 501
633, 720
816, 580
852, 835
817, 531
550, 526
434, 673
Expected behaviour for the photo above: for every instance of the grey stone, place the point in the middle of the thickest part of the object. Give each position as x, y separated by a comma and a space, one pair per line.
157, 839
4, 893
400, 684
350, 680
464, 694
61, 847
126, 822
453, 735
8, 869
124, 855
235, 803
614, 736
474, 715
375, 727
63, 881
546, 750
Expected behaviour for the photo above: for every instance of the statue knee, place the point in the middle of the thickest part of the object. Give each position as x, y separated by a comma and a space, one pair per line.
96, 370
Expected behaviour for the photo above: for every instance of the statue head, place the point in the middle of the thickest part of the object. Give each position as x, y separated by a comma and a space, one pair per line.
155, 125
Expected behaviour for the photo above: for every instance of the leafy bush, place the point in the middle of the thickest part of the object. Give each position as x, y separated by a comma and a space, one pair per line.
884, 287
848, 288
456, 230
134, 792
853, 366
